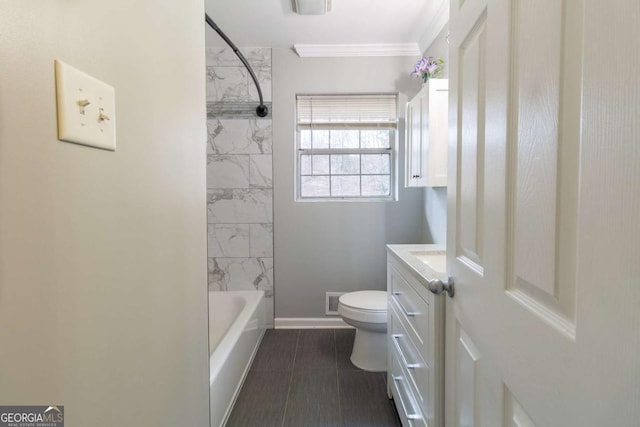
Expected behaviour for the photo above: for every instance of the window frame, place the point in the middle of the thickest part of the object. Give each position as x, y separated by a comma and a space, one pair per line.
392, 151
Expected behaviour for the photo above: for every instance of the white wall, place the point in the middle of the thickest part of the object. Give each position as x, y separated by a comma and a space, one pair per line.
334, 246
103, 304
435, 199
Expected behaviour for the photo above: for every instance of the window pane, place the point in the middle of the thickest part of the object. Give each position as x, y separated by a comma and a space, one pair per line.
314, 186
375, 163
305, 138
375, 185
320, 164
305, 165
344, 164
316, 164
375, 138
320, 138
343, 186
345, 139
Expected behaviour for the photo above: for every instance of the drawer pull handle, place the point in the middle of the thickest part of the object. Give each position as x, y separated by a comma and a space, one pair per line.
406, 312
399, 379
396, 337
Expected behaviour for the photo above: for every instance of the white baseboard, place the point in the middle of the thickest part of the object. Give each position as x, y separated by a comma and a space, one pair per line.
310, 323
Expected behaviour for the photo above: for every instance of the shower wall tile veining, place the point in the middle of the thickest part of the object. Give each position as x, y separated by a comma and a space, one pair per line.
239, 174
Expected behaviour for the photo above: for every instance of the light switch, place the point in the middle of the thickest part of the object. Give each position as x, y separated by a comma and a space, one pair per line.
86, 108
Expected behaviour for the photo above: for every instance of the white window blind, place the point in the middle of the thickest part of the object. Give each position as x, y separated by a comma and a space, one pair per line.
347, 111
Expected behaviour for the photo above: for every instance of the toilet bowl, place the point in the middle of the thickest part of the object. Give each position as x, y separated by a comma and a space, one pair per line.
367, 312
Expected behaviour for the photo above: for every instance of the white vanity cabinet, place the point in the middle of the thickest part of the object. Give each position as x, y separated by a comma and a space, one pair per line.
426, 136
415, 341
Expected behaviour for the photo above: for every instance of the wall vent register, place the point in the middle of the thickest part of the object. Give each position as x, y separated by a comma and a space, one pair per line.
346, 147
331, 303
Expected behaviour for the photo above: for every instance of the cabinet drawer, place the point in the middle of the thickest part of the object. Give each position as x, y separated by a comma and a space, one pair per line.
418, 371
412, 308
404, 398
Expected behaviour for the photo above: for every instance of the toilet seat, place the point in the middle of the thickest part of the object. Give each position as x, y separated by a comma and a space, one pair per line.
364, 306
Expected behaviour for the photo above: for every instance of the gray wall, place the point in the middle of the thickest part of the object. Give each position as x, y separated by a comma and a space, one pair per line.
103, 296
334, 246
435, 199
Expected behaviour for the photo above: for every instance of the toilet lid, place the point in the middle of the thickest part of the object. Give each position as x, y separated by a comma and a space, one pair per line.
365, 300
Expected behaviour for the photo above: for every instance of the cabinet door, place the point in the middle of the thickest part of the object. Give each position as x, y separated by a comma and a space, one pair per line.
435, 133
413, 155
427, 133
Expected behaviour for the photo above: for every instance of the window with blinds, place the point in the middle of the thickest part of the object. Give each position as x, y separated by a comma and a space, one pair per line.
346, 147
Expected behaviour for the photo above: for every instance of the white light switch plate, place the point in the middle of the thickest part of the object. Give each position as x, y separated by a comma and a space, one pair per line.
86, 108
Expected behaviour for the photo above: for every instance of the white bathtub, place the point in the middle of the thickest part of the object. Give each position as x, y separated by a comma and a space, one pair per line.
236, 327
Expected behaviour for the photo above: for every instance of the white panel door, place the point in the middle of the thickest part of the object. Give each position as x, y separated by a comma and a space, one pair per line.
544, 211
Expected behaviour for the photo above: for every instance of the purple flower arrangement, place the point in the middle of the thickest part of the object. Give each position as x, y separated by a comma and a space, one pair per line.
428, 68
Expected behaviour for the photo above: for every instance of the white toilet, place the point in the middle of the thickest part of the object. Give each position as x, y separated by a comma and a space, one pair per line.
367, 312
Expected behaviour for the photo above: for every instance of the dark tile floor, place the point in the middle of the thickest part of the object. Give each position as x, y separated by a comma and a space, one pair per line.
304, 378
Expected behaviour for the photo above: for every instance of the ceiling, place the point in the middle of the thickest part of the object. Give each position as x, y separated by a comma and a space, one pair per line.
272, 23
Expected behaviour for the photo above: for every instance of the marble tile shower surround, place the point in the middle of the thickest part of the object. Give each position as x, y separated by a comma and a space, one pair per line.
240, 240
228, 79
239, 174
241, 274
258, 57
239, 171
236, 206
239, 136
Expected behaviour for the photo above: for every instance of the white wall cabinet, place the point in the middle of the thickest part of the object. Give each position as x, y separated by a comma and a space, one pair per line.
426, 136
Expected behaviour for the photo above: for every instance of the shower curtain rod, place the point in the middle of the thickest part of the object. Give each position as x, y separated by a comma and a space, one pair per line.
261, 110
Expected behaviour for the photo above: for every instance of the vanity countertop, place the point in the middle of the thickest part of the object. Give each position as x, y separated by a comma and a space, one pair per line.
427, 261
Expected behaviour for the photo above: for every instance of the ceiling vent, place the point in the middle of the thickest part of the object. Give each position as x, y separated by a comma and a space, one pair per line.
311, 7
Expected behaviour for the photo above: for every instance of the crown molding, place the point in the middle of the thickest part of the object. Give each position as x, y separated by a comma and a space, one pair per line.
440, 19
350, 50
